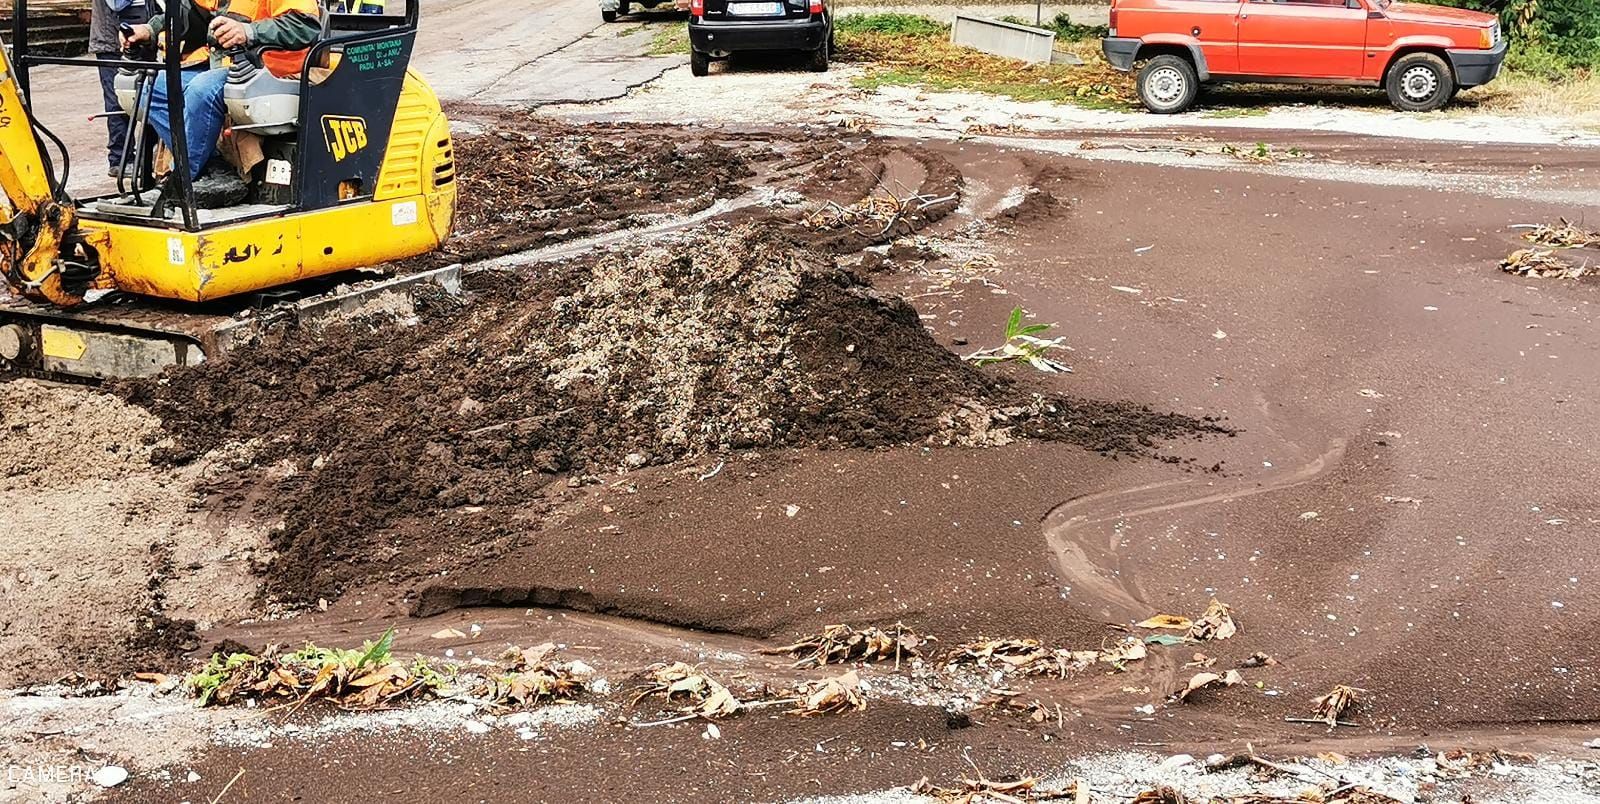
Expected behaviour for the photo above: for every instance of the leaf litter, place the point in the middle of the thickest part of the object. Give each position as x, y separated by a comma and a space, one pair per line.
1030, 657
1329, 708
840, 644
371, 677
1562, 234
1215, 623
1542, 264
976, 789
356, 679
536, 676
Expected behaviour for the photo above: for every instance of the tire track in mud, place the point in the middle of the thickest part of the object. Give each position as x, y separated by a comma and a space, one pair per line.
1094, 566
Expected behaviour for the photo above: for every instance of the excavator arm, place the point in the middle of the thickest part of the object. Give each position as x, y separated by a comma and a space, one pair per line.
36, 220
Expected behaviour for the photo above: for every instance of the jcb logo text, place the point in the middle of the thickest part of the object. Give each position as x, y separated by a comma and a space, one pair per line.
345, 135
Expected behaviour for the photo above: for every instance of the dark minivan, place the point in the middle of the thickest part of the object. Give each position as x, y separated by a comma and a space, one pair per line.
720, 28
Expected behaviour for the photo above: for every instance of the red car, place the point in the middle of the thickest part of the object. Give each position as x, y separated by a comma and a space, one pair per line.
1422, 55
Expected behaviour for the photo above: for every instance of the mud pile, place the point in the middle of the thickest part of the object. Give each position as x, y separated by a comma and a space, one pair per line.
547, 182
380, 435
88, 538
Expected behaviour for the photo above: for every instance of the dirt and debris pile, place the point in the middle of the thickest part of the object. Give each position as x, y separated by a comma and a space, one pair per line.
546, 182
727, 340
62, 437
96, 547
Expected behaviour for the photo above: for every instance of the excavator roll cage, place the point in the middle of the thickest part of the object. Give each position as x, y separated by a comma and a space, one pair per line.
350, 166
380, 80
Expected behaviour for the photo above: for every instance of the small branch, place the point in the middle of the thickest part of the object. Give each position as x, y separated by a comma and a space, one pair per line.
227, 787
668, 721
1320, 720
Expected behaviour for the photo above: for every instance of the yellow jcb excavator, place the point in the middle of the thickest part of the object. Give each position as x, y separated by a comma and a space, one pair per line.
356, 169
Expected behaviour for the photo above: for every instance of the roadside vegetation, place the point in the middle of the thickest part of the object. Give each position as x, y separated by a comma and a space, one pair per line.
669, 39
1553, 69
1552, 39
907, 49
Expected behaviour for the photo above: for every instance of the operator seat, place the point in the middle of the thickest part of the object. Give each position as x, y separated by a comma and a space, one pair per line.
260, 102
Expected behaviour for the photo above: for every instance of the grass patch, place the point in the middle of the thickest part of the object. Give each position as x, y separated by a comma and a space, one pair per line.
891, 23
1575, 96
669, 39
1066, 30
928, 59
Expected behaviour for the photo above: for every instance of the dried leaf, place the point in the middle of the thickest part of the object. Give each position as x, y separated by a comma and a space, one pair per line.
969, 791
1171, 621
1542, 264
1162, 795
1202, 680
838, 694
1258, 659
700, 693
1129, 650
1331, 706
1216, 623
1564, 234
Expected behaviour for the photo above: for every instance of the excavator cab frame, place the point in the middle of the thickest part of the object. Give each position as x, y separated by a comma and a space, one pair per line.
364, 175
351, 106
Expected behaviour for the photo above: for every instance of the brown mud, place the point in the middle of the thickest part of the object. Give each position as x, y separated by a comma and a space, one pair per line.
546, 183
427, 471
722, 342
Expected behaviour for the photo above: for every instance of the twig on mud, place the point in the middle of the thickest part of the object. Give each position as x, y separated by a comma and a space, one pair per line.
889, 207
714, 472
667, 721
227, 787
1320, 720
1298, 771
899, 628
774, 702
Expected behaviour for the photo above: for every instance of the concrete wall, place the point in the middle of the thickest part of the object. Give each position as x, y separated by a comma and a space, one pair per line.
1003, 38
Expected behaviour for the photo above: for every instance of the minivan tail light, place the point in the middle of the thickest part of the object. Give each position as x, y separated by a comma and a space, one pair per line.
697, 8
816, 6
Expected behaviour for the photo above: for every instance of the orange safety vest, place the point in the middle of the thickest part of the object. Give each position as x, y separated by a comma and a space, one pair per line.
282, 63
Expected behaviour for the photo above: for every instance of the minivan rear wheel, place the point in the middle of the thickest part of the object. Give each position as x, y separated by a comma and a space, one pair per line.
608, 16
699, 63
1420, 82
1168, 84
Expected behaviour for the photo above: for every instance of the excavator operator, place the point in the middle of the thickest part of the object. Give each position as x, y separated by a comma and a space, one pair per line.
289, 26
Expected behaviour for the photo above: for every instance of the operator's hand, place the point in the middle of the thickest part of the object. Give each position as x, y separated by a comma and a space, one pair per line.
229, 33
141, 33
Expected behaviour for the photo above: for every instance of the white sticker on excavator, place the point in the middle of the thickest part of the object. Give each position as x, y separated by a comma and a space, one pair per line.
175, 253
403, 214
279, 172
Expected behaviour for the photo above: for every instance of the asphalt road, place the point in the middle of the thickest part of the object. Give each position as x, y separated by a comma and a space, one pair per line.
470, 51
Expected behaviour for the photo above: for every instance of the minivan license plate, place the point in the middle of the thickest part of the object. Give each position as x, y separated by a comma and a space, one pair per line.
755, 9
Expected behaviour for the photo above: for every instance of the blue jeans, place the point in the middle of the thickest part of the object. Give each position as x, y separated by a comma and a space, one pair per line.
116, 122
203, 113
